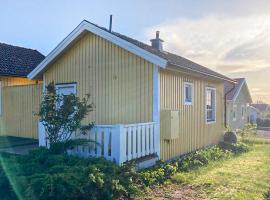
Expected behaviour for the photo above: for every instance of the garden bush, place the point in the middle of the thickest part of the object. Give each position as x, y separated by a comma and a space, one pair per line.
43, 175
236, 149
267, 195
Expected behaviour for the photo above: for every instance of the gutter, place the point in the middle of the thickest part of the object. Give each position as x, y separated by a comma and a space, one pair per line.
225, 105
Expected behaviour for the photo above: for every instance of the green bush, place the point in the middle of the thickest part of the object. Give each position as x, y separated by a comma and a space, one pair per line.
267, 195
202, 157
236, 149
43, 175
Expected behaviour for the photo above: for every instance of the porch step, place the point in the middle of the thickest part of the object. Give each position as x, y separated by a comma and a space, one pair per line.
146, 162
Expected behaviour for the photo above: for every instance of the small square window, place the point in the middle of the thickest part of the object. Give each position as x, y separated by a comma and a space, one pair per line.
188, 93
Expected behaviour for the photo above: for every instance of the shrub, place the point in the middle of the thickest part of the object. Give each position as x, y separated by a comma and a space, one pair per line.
62, 115
202, 157
43, 175
267, 195
236, 149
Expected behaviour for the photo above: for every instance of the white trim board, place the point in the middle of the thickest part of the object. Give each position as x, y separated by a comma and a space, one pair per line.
239, 90
214, 89
87, 26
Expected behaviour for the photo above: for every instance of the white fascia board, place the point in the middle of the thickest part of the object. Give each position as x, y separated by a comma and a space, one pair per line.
86, 26
239, 90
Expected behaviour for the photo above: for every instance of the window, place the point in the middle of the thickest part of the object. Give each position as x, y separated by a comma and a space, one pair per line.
210, 105
234, 112
66, 89
188, 93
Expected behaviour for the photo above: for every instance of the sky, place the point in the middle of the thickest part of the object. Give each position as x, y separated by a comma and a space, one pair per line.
231, 37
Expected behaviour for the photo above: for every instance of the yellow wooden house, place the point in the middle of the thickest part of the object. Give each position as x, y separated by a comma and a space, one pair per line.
147, 101
19, 96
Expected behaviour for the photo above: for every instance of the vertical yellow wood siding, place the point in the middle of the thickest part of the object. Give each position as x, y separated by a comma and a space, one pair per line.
193, 133
18, 107
119, 82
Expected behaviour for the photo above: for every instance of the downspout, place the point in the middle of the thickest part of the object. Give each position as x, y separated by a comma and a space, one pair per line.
225, 105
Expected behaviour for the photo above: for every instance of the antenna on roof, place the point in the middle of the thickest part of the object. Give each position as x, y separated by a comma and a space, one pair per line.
110, 27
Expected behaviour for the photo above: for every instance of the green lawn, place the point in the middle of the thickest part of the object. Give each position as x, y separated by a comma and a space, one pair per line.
243, 177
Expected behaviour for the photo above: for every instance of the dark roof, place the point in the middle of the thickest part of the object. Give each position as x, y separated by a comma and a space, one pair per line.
18, 61
172, 59
260, 106
231, 89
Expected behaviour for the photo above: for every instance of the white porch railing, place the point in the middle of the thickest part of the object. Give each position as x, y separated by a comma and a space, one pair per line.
120, 142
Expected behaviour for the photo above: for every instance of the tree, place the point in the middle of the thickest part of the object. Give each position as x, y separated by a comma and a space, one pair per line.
62, 115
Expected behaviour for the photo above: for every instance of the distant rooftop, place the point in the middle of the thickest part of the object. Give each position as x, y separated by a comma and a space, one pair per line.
232, 89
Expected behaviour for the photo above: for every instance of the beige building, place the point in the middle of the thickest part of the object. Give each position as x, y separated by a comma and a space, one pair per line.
148, 101
237, 100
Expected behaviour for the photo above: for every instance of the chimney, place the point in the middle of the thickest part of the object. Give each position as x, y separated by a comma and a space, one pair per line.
157, 42
110, 25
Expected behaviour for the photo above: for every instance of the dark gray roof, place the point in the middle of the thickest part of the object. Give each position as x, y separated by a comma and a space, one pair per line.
172, 59
18, 61
232, 89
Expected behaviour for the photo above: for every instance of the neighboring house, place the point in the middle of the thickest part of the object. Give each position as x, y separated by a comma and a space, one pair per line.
148, 101
16, 90
263, 108
253, 114
237, 100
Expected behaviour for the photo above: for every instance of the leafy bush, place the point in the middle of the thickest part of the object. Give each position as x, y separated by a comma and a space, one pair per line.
62, 115
43, 175
249, 130
202, 157
267, 195
236, 149
158, 174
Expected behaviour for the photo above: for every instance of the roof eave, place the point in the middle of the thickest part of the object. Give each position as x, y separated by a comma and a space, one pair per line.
205, 74
86, 26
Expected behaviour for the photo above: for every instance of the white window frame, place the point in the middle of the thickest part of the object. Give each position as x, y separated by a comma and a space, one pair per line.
188, 84
215, 105
0, 98
234, 112
66, 85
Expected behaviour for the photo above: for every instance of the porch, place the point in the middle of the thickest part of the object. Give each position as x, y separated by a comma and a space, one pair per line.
118, 143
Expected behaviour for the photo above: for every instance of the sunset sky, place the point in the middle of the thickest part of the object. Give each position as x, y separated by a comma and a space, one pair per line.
231, 37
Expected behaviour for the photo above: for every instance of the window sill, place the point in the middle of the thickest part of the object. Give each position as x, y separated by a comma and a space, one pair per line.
211, 122
188, 103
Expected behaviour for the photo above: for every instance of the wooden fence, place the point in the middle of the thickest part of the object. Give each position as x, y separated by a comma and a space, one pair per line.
19, 105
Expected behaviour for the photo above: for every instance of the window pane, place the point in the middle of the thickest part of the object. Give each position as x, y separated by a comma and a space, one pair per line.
188, 93
210, 104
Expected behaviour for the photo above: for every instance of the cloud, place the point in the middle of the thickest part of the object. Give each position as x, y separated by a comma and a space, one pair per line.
224, 43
